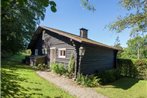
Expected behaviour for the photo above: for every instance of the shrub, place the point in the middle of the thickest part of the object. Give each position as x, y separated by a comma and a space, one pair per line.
58, 68
141, 66
41, 67
40, 60
126, 67
70, 66
89, 81
135, 69
109, 76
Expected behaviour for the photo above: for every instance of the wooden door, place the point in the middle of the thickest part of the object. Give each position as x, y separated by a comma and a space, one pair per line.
52, 55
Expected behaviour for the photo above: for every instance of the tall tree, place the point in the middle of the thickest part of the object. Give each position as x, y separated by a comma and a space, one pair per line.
117, 42
18, 20
137, 48
136, 19
118, 45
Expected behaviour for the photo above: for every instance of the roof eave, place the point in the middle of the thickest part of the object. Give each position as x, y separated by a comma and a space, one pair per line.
113, 48
62, 34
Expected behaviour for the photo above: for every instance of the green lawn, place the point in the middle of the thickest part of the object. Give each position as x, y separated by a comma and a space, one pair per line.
125, 88
20, 81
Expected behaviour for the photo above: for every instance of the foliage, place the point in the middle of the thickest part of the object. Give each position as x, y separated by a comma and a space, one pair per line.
86, 4
40, 60
62, 70
137, 48
71, 65
58, 68
124, 88
21, 81
19, 19
141, 66
138, 69
118, 45
126, 68
89, 81
117, 42
42, 67
109, 76
136, 19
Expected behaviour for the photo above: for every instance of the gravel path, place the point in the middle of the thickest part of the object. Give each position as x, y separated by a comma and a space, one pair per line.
70, 86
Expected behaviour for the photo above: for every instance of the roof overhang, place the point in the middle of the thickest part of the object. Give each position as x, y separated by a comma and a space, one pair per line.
71, 36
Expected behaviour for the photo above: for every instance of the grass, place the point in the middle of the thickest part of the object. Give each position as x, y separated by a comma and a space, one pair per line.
21, 81
125, 88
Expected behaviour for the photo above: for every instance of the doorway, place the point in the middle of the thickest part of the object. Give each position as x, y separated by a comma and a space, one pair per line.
52, 55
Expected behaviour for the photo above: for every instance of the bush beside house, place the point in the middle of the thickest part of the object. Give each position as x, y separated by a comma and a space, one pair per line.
125, 68
89, 81
109, 76
58, 68
135, 69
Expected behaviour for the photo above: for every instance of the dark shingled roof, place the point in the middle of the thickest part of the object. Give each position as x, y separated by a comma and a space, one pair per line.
77, 38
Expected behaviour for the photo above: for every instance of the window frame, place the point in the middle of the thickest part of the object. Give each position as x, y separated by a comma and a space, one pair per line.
36, 52
61, 51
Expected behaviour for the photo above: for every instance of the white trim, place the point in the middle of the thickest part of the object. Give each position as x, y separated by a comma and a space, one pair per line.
45, 50
52, 47
36, 51
59, 53
61, 57
62, 49
53, 54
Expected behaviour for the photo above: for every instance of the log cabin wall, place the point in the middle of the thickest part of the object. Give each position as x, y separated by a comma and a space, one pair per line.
57, 41
97, 59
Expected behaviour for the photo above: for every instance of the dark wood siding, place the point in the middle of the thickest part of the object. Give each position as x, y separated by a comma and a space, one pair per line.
97, 59
58, 41
39, 45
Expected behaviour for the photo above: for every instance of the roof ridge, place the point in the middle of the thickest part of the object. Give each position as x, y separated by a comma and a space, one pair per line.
78, 38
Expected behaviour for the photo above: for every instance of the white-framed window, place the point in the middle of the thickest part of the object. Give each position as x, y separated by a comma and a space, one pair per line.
36, 51
44, 51
62, 53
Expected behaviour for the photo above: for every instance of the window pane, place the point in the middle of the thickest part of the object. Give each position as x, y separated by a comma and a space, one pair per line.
45, 51
63, 52
36, 51
42, 51
60, 52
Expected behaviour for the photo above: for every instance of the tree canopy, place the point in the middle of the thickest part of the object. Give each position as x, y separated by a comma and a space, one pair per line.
137, 48
19, 19
86, 4
136, 19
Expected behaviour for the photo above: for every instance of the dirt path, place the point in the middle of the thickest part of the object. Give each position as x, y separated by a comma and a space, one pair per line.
70, 86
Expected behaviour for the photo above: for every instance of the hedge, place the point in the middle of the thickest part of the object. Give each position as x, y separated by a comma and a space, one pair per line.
134, 69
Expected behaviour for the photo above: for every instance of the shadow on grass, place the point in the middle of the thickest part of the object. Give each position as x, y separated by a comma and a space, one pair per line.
125, 83
10, 81
9, 86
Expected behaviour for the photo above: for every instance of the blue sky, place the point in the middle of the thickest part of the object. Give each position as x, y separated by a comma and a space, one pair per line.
71, 16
